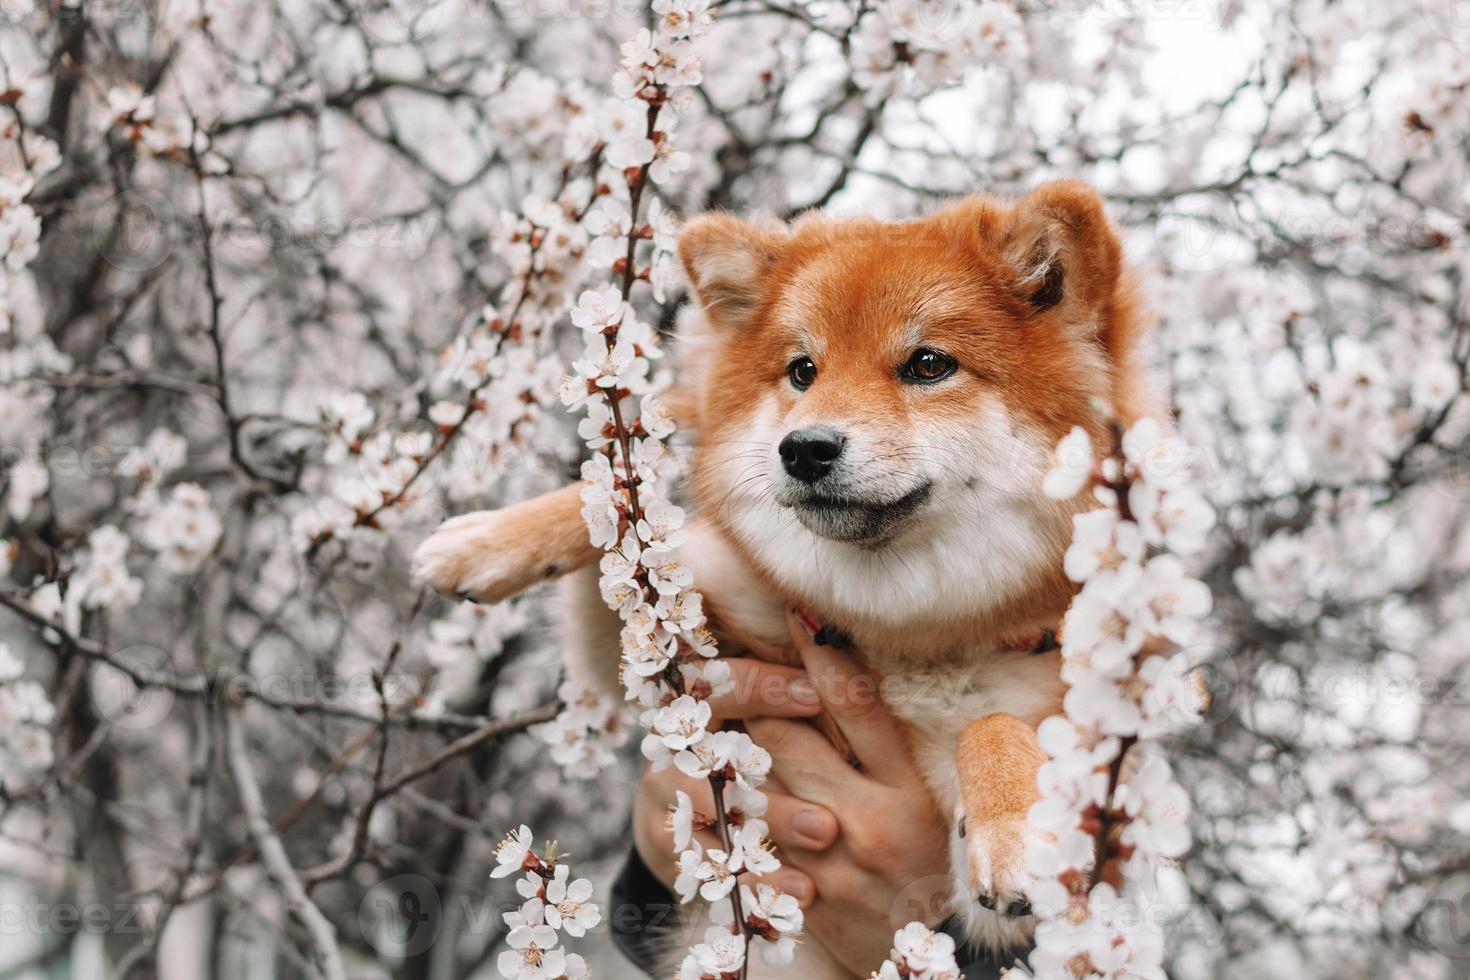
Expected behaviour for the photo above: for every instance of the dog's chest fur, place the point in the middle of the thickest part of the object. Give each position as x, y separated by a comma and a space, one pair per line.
935, 698
936, 695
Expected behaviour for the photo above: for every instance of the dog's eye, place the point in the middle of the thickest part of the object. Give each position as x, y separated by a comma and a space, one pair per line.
802, 372
927, 366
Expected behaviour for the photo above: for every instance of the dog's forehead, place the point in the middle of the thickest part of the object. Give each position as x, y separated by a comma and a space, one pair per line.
889, 289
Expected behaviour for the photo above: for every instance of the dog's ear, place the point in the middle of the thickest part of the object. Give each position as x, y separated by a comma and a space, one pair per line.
728, 261
1065, 252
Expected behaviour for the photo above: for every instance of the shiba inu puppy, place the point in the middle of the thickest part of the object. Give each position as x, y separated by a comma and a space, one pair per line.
873, 407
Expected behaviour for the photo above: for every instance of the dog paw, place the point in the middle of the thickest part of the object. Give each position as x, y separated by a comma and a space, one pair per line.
461, 557
995, 856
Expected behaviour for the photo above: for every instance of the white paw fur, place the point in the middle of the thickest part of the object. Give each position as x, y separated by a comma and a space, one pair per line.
991, 881
462, 557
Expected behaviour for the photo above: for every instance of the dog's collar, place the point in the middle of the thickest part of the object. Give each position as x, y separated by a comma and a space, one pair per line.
1044, 641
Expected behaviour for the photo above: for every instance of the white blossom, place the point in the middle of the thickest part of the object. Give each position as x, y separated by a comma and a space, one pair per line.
676, 727
532, 954
921, 953
721, 954
26, 714
512, 851
1071, 466
568, 903
1135, 596
183, 527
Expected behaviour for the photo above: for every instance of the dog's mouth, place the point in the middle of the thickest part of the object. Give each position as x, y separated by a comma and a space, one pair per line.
856, 520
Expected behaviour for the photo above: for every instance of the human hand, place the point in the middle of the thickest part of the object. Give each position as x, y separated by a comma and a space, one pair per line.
889, 863
760, 689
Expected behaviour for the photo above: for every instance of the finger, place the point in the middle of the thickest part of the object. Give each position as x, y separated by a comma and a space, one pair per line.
796, 823
662, 785
657, 795
653, 834
797, 884
658, 827
708, 837
807, 764
834, 877
856, 937
766, 689
851, 696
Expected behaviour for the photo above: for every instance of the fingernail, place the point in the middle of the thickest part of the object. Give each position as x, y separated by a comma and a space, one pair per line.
803, 691
809, 624
814, 825
798, 887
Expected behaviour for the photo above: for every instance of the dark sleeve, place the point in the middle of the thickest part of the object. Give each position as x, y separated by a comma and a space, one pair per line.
976, 964
644, 916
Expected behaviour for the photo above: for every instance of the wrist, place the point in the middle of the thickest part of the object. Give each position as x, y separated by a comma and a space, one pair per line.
649, 840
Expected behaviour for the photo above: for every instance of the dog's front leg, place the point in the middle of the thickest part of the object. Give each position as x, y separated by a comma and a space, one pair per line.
491, 555
996, 760
590, 633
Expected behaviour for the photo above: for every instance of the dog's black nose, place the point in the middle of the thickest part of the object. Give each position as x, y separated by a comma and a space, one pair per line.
808, 454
